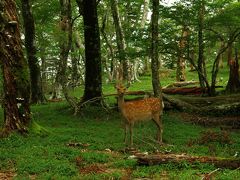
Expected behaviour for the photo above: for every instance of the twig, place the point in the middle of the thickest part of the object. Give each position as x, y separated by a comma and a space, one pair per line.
150, 144
208, 176
91, 100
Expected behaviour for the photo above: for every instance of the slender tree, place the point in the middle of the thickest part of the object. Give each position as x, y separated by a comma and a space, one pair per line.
14, 69
201, 60
35, 76
180, 75
121, 45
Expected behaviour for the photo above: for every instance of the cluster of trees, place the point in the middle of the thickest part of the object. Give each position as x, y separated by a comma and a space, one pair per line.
86, 42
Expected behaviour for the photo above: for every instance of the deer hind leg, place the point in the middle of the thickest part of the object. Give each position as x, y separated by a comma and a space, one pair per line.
158, 121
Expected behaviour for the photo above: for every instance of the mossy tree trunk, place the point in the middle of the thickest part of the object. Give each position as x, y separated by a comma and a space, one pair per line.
15, 71
35, 76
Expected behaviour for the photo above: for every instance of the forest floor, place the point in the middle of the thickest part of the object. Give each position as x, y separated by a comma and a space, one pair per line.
90, 146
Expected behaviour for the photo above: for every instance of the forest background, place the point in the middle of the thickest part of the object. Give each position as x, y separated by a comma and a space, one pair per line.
77, 50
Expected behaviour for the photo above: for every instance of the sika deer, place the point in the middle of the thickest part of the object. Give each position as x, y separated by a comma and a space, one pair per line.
139, 110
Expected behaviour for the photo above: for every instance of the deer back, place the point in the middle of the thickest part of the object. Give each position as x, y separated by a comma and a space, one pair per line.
141, 110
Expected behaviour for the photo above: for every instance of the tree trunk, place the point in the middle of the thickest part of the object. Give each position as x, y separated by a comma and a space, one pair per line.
154, 50
120, 39
180, 75
201, 43
35, 76
65, 39
233, 85
93, 65
15, 71
65, 42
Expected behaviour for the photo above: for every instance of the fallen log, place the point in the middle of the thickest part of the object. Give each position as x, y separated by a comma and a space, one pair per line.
181, 84
179, 104
184, 90
226, 105
231, 108
157, 159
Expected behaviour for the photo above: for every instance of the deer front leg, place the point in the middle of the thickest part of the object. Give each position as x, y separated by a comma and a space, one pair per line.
125, 133
131, 134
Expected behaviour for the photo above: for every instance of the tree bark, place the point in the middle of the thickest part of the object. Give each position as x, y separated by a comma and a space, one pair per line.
15, 71
154, 50
35, 76
93, 65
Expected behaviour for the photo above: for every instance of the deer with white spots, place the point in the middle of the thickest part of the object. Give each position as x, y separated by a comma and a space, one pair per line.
140, 110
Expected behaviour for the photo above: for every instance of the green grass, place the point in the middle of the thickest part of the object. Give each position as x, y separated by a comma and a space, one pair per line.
49, 156
46, 154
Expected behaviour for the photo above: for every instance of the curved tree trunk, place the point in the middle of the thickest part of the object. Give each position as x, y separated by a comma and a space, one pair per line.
14, 69
29, 27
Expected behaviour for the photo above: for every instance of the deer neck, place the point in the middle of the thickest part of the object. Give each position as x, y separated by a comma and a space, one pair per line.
121, 102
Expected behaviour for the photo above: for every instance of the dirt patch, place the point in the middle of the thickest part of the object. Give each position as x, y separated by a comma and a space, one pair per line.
93, 169
7, 175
